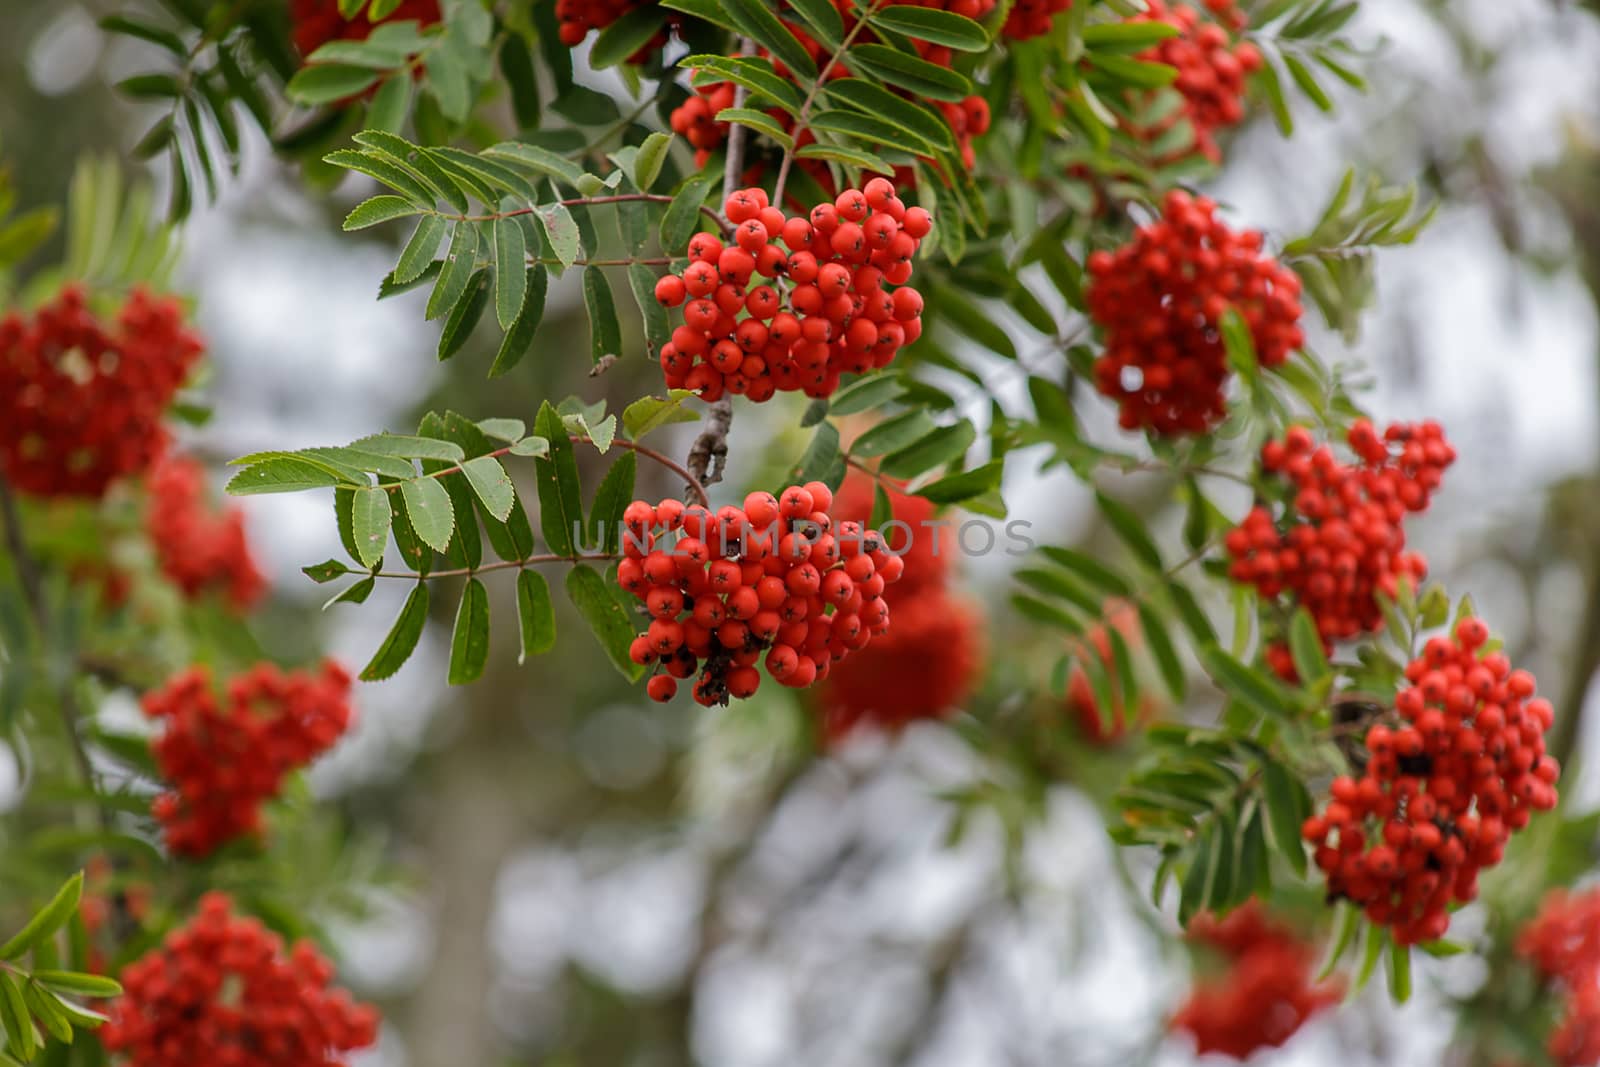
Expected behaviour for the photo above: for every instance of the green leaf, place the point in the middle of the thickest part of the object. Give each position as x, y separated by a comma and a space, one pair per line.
1131, 529
371, 515
459, 264
933, 25
757, 22
491, 485
519, 337
961, 487
19, 1023
469, 645
508, 430
46, 922
605, 332
405, 446
755, 74
922, 78
323, 573
1163, 651
866, 393
384, 170
283, 474
1128, 36
1246, 684
826, 24
1307, 82
1377, 937
464, 316
1400, 973
389, 106
657, 330
1349, 918
560, 499
536, 615
429, 509
417, 256
822, 461
873, 99
1287, 807
894, 433
973, 322
759, 121
74, 982
1305, 645
538, 159
682, 216
379, 209
531, 447
46, 1009
606, 618
618, 42
851, 157
320, 83
867, 128
1090, 570
614, 495
355, 593
402, 639
510, 271
647, 164
944, 445
652, 412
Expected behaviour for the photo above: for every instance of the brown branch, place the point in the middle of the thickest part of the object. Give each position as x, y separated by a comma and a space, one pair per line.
708, 457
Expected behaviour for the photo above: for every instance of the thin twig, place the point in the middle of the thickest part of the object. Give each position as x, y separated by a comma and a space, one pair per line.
708, 458
733, 168
811, 98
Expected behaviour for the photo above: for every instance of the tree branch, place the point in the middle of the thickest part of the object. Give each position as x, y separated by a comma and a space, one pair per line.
708, 458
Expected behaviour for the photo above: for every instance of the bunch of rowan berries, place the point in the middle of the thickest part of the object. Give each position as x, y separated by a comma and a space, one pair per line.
777, 582
1562, 943
831, 311
1443, 788
577, 17
1160, 300
1212, 68
1340, 541
1265, 995
81, 401
222, 990
225, 757
316, 22
199, 548
929, 663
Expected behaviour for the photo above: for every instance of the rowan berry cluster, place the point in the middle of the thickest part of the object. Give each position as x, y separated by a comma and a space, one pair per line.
316, 22
225, 757
1212, 68
1160, 300
81, 401
1340, 541
777, 581
1563, 944
198, 548
1442, 790
1265, 995
929, 663
222, 990
829, 313
1105, 727
1032, 18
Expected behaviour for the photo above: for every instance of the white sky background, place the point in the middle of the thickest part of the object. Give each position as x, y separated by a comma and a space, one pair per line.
303, 355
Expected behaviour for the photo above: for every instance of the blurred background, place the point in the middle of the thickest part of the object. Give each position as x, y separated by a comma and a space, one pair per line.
582, 878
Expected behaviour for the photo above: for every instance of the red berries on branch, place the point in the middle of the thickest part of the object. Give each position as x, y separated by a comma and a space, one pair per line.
1563, 944
1443, 789
776, 582
1032, 18
223, 991
316, 22
1265, 995
578, 17
225, 757
831, 311
81, 401
1212, 68
198, 548
1340, 540
1160, 300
